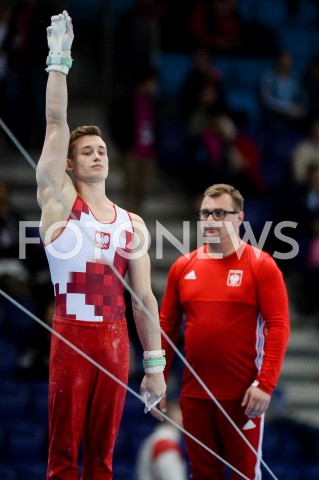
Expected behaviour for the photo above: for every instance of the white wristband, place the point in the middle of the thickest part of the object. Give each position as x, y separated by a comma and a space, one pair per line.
59, 62
158, 369
58, 68
255, 383
153, 353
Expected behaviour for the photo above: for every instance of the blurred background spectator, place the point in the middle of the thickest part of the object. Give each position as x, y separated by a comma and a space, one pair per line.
202, 76
161, 456
133, 126
14, 276
306, 153
282, 96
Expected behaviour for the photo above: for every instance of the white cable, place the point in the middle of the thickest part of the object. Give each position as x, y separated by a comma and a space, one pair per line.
147, 313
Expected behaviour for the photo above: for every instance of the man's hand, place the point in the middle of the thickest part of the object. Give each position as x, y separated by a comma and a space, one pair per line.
256, 402
60, 33
152, 389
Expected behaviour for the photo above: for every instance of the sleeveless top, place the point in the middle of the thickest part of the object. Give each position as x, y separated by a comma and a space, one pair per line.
84, 260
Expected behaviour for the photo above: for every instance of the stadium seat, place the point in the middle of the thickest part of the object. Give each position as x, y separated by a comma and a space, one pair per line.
15, 403
299, 42
309, 472
272, 13
225, 65
247, 10
314, 42
173, 68
173, 144
258, 211
20, 322
35, 471
27, 443
307, 14
118, 7
40, 401
247, 72
8, 359
7, 473
137, 435
123, 470
2, 444
244, 100
282, 471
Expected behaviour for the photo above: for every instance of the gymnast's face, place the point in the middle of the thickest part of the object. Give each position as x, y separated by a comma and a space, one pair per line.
89, 161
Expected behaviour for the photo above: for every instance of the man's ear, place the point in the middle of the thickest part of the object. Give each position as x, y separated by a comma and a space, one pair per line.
69, 166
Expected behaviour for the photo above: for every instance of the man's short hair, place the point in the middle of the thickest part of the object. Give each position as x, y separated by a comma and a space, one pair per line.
219, 189
80, 132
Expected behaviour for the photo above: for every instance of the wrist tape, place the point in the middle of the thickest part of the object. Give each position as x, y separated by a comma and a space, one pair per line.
59, 62
154, 361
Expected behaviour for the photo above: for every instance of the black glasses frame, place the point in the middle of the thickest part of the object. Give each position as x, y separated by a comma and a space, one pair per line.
217, 213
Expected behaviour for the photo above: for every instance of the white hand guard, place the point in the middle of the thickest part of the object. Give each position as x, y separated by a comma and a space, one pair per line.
150, 400
60, 37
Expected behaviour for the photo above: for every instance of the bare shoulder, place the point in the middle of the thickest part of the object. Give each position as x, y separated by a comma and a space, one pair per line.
136, 218
141, 238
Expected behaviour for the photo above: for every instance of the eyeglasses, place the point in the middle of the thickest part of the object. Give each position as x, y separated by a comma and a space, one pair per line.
217, 213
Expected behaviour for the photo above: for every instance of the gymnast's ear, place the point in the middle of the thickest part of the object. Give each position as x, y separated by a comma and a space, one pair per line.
69, 166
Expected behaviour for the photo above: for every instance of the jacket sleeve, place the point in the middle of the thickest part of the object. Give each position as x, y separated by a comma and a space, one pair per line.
273, 303
171, 315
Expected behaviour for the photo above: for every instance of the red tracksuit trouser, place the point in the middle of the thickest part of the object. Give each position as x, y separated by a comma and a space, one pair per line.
85, 403
206, 422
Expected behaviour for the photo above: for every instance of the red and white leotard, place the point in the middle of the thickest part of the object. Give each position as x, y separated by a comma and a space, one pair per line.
80, 260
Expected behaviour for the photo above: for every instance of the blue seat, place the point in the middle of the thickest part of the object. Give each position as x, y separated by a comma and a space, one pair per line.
137, 433
15, 403
173, 68
173, 144
118, 7
35, 471
20, 322
258, 211
309, 472
314, 43
8, 360
40, 401
244, 100
225, 65
247, 10
7, 473
27, 444
307, 15
123, 470
283, 471
272, 13
247, 72
299, 42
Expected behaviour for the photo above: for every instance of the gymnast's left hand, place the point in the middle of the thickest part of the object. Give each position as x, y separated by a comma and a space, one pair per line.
153, 387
